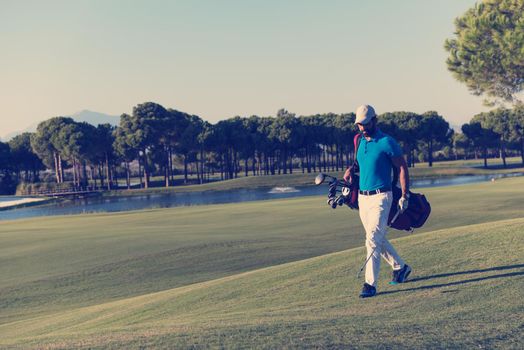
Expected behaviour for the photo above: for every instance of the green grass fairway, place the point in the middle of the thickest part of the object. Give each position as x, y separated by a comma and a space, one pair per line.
56, 265
53, 264
466, 292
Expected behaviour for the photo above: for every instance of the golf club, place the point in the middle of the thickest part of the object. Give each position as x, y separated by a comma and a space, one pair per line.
339, 192
373, 251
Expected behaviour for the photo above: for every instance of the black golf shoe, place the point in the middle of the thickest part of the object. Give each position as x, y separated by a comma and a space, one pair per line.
401, 276
368, 291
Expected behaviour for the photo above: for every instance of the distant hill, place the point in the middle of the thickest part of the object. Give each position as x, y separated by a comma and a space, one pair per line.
31, 128
87, 116
95, 118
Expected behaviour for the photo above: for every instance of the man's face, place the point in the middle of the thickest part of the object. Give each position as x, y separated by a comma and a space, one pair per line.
368, 129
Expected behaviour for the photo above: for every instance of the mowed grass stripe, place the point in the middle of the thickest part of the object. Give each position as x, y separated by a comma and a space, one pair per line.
466, 291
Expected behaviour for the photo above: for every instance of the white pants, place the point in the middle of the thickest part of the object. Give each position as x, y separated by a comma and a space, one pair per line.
374, 212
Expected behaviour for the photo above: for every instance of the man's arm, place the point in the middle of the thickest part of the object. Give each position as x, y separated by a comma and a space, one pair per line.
403, 175
347, 174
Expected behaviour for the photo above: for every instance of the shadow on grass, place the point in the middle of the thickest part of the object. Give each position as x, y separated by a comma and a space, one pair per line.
498, 268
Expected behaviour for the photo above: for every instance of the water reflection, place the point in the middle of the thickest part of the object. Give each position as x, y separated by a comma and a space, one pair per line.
275, 190
116, 204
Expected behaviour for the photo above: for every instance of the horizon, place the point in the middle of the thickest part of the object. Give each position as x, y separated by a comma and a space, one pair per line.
222, 60
31, 128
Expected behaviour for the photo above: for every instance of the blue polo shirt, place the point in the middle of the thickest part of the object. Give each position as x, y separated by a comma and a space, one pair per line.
374, 159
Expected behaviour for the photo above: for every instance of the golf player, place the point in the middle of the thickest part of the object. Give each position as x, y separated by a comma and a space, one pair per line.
376, 155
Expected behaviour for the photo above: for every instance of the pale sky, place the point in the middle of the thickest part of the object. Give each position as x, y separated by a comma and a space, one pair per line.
221, 58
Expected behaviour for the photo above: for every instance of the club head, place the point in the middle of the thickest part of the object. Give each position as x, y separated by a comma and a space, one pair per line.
320, 178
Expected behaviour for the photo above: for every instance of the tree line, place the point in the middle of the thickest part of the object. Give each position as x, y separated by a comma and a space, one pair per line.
160, 142
498, 131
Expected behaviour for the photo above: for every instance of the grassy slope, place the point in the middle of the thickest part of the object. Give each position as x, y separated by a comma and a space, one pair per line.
53, 264
466, 291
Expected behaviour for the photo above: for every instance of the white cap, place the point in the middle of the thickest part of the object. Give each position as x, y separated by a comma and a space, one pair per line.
364, 114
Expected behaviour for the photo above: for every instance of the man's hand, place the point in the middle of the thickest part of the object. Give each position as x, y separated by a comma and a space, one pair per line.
403, 203
347, 175
401, 164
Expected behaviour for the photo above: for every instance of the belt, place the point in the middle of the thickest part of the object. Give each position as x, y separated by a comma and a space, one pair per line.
377, 191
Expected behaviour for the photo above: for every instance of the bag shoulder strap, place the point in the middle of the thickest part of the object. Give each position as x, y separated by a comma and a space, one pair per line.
356, 143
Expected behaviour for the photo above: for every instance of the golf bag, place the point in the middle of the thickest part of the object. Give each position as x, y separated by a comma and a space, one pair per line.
414, 216
353, 177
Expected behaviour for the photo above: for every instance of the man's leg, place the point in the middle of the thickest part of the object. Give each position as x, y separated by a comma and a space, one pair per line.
375, 219
391, 256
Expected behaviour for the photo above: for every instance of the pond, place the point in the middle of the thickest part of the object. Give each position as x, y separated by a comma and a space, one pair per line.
94, 204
